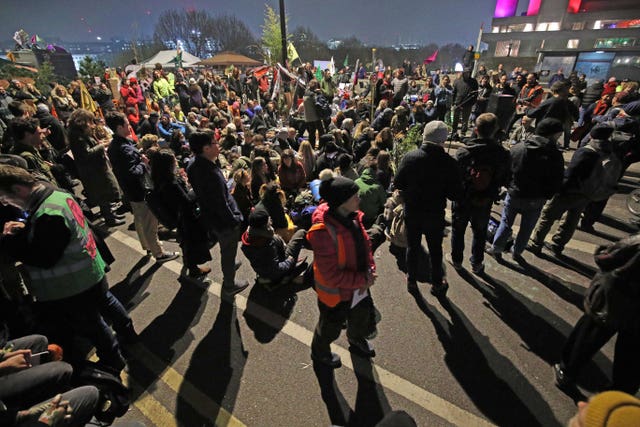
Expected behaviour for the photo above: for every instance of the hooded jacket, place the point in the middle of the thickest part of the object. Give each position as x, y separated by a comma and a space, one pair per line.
372, 195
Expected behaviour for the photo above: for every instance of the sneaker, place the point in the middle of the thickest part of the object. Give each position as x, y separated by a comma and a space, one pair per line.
441, 289
497, 255
237, 287
412, 286
332, 360
363, 350
557, 250
534, 248
457, 265
562, 380
477, 268
166, 256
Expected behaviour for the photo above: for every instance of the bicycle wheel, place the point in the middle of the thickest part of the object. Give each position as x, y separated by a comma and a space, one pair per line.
633, 201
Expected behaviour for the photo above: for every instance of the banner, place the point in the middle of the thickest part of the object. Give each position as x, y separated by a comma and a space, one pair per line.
432, 58
292, 53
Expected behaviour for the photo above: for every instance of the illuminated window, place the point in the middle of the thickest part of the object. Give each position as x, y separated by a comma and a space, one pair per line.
553, 26
615, 42
542, 26
577, 26
495, 30
528, 28
507, 48
596, 25
573, 43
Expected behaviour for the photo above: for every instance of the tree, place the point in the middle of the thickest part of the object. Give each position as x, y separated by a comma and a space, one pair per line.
272, 36
232, 34
194, 29
90, 68
45, 76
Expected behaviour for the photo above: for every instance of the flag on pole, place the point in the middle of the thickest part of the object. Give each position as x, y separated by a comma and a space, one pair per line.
346, 61
260, 71
86, 101
318, 74
332, 67
355, 72
292, 53
432, 58
36, 39
277, 83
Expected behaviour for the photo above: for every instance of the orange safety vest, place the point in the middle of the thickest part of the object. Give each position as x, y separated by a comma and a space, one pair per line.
328, 294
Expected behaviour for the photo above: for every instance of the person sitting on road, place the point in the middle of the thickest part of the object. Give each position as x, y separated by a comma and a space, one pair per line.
274, 262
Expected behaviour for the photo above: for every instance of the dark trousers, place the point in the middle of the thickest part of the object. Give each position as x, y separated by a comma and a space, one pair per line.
478, 216
80, 315
312, 127
432, 227
588, 337
592, 212
330, 324
461, 114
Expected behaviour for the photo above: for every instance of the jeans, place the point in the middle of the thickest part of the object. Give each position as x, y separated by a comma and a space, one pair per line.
432, 227
529, 210
478, 216
228, 241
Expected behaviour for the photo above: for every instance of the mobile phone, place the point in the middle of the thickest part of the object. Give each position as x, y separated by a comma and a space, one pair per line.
39, 358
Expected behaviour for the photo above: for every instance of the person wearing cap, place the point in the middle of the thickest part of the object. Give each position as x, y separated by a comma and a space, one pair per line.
344, 269
427, 177
536, 175
465, 94
274, 261
576, 191
608, 409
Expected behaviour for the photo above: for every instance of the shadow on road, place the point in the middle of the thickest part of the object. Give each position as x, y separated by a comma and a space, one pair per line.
336, 404
215, 372
484, 373
267, 311
130, 290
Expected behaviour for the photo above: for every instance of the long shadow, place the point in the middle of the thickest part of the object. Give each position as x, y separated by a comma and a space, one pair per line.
603, 235
475, 363
276, 305
570, 263
543, 332
336, 404
168, 335
617, 224
570, 292
371, 402
216, 369
130, 290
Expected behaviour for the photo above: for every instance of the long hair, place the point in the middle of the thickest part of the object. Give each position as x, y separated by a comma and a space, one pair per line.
79, 122
162, 164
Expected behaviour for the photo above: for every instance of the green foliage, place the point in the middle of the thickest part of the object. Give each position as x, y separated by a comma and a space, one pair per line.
9, 71
90, 68
411, 141
272, 36
44, 77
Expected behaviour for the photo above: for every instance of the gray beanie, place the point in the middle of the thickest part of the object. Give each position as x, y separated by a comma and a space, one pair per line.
435, 131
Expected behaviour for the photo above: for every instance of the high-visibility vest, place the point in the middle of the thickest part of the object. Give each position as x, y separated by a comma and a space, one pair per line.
81, 265
328, 293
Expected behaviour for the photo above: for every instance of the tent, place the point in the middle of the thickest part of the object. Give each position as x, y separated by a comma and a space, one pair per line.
167, 59
224, 59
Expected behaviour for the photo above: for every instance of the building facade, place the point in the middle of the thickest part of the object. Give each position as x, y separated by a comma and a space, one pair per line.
600, 38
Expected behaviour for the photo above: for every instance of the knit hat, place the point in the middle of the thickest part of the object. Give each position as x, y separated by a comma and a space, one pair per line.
326, 138
548, 127
601, 131
336, 190
259, 218
133, 80
613, 409
435, 131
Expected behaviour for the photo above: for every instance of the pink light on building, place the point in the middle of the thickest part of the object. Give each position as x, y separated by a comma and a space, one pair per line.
534, 7
574, 6
505, 8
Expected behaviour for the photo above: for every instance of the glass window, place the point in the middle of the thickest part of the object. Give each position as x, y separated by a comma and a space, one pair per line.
542, 26
553, 26
507, 48
528, 28
577, 26
573, 43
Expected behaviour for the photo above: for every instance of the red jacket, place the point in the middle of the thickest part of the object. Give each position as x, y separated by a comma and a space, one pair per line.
325, 254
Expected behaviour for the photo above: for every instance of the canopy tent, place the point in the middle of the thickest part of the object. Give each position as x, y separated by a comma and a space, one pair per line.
168, 59
224, 59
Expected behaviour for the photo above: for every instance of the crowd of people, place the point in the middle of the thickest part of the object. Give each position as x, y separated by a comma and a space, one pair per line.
275, 165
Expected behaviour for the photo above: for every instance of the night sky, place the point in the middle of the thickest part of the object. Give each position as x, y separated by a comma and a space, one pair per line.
374, 22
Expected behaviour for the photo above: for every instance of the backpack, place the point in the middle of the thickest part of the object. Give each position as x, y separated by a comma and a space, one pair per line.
613, 297
114, 396
323, 107
479, 177
601, 182
398, 230
166, 215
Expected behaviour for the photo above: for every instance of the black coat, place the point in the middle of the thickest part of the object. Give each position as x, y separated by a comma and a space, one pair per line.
537, 168
485, 152
428, 176
128, 167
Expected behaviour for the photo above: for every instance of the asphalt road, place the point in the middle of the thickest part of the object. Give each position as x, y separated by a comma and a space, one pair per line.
482, 357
